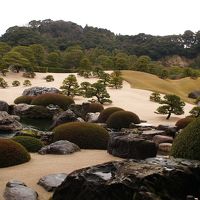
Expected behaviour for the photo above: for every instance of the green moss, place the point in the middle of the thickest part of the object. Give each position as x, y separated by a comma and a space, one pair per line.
182, 123
122, 119
30, 143
23, 99
12, 153
105, 114
187, 143
56, 99
85, 135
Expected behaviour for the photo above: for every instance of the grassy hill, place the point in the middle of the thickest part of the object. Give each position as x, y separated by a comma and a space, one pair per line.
151, 82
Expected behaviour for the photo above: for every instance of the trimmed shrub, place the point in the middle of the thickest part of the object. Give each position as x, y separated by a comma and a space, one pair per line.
3, 83
155, 97
85, 135
29, 74
105, 114
12, 153
56, 99
23, 99
49, 78
187, 143
30, 143
15, 83
94, 107
27, 83
182, 123
122, 119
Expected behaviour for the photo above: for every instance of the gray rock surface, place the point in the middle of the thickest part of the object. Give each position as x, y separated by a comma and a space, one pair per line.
158, 139
151, 179
52, 181
9, 122
4, 106
17, 190
131, 146
59, 147
92, 117
35, 91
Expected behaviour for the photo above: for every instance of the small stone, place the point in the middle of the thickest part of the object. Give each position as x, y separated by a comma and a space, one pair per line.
92, 117
158, 139
165, 147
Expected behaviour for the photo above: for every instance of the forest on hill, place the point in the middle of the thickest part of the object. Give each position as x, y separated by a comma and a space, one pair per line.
61, 46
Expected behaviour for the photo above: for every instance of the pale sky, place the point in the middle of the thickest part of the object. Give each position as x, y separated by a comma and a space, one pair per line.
127, 17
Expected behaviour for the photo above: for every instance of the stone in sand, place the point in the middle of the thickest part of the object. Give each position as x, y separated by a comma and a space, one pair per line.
52, 181
17, 190
59, 147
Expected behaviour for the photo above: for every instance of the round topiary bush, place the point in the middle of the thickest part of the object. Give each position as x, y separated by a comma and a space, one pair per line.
12, 153
85, 135
49, 78
105, 114
23, 99
29, 74
122, 119
56, 99
187, 143
30, 143
27, 83
15, 83
182, 123
94, 107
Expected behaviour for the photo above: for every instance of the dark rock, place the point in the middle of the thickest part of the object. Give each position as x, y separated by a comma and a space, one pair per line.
32, 111
92, 117
131, 146
9, 122
59, 147
151, 133
17, 190
64, 117
158, 139
4, 106
142, 125
151, 179
35, 91
169, 130
52, 181
165, 147
194, 94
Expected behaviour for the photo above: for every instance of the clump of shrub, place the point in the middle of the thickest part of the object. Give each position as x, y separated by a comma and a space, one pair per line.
182, 123
94, 107
49, 78
105, 114
56, 99
29, 74
187, 143
15, 83
85, 135
23, 99
155, 97
122, 119
27, 83
3, 83
12, 153
30, 143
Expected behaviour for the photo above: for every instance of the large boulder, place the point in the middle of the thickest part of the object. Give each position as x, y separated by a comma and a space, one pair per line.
59, 147
4, 106
52, 181
151, 179
131, 146
194, 94
32, 111
17, 190
9, 122
35, 91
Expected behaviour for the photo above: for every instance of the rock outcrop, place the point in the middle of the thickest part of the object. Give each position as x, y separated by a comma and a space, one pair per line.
59, 147
35, 91
17, 190
4, 106
151, 179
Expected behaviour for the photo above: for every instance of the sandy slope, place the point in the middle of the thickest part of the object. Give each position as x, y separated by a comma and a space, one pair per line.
134, 100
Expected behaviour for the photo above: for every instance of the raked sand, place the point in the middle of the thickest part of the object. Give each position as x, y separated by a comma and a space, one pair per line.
134, 100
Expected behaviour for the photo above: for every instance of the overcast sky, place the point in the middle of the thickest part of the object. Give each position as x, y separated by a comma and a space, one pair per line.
156, 17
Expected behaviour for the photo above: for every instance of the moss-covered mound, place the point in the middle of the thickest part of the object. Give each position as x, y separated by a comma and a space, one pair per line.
182, 123
105, 114
56, 99
30, 143
122, 119
94, 107
187, 143
12, 153
85, 135
23, 99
